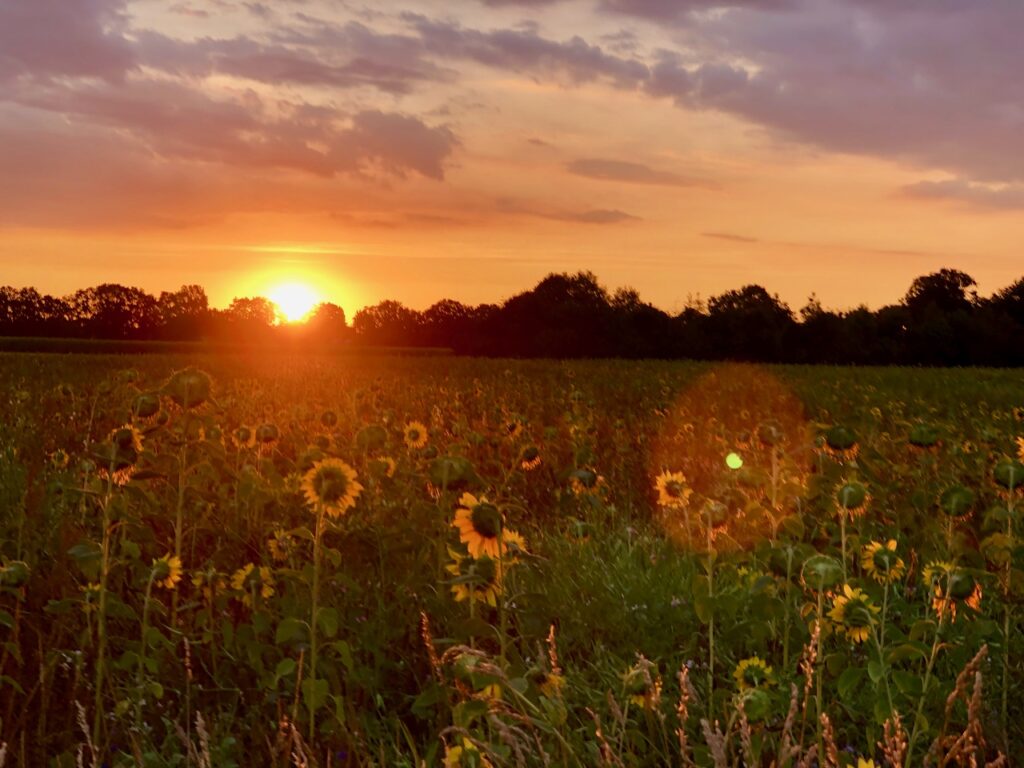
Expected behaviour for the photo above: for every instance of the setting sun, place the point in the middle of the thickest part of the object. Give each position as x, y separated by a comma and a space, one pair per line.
294, 300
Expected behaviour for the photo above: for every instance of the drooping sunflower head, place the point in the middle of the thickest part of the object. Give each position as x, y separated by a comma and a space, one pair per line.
821, 572
880, 561
854, 613
529, 459
332, 485
952, 588
841, 443
189, 388
752, 672
852, 498
957, 502
244, 437
415, 434
673, 492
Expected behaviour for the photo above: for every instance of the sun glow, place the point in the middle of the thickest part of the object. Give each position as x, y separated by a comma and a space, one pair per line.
294, 300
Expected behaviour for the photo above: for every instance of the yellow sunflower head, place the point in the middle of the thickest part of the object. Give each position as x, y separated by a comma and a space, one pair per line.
331, 484
642, 687
752, 673
854, 613
167, 571
881, 562
673, 492
864, 762
479, 523
415, 434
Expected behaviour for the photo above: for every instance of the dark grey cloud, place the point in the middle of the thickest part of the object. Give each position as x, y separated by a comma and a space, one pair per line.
525, 51
630, 172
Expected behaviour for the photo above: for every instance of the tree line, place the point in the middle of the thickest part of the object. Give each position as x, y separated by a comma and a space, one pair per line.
940, 321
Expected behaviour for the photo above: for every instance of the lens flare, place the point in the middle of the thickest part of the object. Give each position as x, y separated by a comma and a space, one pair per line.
295, 300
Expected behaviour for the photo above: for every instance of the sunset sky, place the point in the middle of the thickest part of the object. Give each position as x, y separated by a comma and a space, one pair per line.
420, 149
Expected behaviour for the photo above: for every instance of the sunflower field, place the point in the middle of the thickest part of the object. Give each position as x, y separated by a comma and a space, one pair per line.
220, 561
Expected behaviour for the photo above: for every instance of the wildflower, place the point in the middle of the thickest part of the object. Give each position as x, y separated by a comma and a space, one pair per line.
415, 434
480, 525
1020, 449
881, 562
863, 762
951, 587
331, 484
476, 578
167, 571
643, 689
673, 493
752, 673
853, 613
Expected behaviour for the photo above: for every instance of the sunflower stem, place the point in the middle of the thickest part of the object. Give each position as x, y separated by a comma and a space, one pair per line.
915, 731
312, 624
140, 675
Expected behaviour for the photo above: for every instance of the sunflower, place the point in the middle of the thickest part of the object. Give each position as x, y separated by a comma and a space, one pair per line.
673, 492
280, 545
752, 673
852, 498
248, 577
881, 563
167, 571
209, 583
476, 578
465, 755
332, 484
244, 437
529, 459
415, 434
513, 429
479, 523
864, 762
853, 613
384, 466
951, 587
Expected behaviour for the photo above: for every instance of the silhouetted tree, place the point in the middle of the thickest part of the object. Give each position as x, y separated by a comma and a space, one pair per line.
387, 323
112, 311
184, 313
327, 322
751, 324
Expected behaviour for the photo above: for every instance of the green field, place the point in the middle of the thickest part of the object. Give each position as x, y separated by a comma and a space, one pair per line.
384, 561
